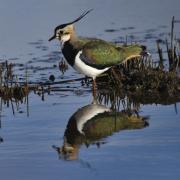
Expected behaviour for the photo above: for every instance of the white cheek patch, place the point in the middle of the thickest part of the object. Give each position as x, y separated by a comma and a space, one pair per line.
65, 38
57, 36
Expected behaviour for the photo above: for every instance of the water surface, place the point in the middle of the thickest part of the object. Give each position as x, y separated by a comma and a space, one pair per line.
26, 152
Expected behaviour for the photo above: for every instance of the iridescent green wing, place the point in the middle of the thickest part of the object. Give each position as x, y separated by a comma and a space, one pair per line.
99, 53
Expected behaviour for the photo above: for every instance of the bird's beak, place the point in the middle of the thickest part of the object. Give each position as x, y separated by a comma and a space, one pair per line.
53, 37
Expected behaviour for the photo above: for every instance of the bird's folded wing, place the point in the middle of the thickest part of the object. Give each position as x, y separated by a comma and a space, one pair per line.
102, 54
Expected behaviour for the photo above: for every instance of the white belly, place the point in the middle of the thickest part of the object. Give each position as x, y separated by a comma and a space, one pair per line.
83, 68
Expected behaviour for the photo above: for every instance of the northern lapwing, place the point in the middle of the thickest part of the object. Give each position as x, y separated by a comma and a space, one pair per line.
91, 56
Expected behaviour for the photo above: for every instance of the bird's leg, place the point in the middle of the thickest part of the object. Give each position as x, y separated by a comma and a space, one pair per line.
94, 88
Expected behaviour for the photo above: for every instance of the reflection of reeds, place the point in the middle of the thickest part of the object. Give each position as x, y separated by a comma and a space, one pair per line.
117, 99
13, 92
13, 95
140, 87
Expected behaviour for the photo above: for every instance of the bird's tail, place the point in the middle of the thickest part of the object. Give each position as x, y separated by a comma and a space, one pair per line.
132, 52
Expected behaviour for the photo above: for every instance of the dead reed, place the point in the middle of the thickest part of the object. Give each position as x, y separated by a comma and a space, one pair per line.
11, 93
172, 48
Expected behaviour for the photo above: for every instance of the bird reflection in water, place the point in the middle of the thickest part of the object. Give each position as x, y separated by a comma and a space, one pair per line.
91, 124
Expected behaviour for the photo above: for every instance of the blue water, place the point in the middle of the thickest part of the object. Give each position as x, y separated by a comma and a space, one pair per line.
26, 151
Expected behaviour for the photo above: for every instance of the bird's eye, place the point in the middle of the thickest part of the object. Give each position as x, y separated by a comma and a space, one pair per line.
66, 33
60, 32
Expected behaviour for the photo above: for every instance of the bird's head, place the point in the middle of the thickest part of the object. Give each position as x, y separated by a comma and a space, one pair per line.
63, 32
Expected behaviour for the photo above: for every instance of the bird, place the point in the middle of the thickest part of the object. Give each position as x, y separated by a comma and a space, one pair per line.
92, 56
